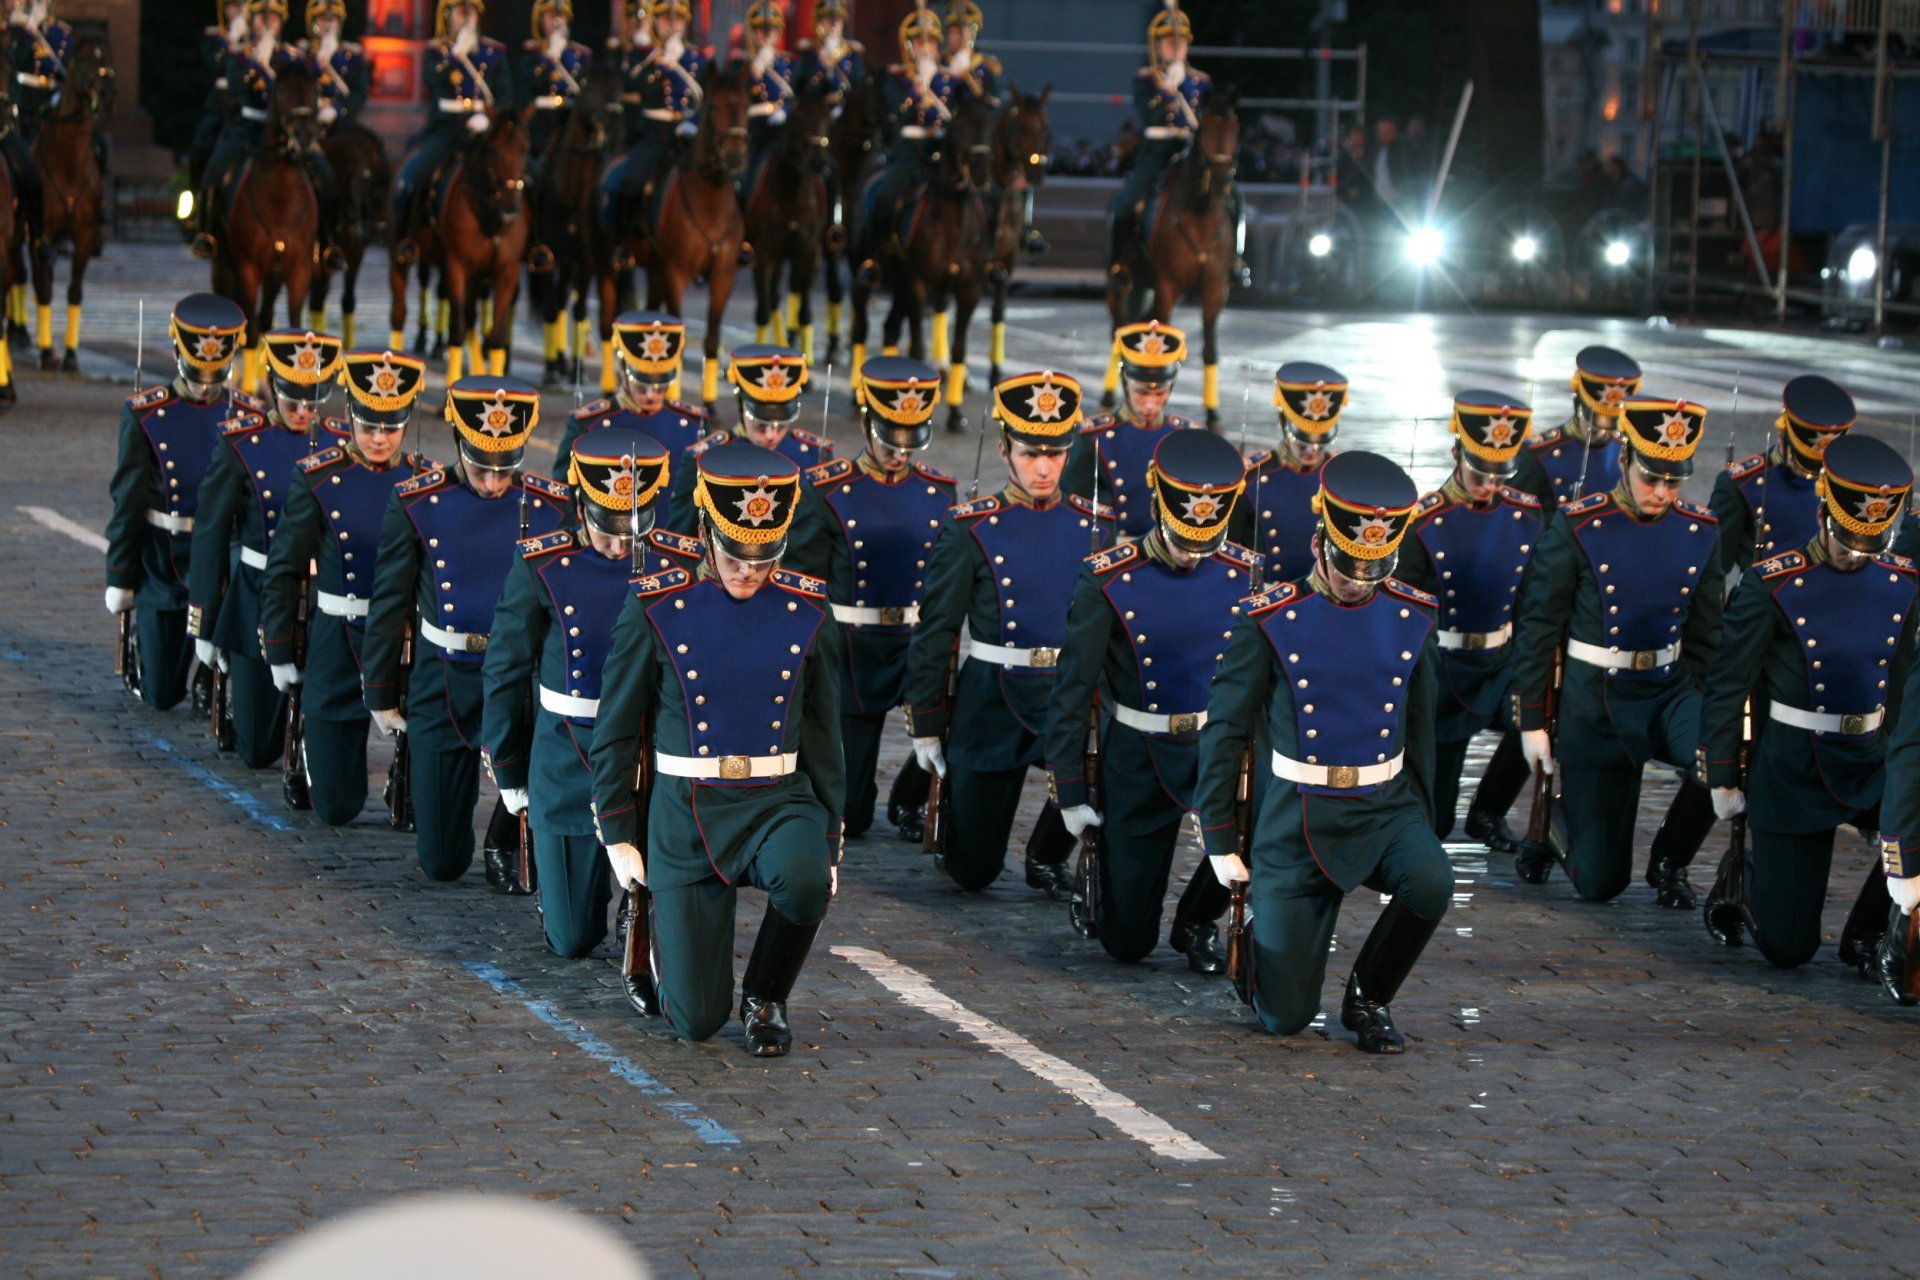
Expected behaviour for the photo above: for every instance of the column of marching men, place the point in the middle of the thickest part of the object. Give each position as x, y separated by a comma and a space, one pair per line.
678, 666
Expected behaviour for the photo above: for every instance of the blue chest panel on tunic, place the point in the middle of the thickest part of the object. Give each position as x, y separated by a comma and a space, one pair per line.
1561, 462
738, 663
470, 545
354, 499
1791, 508
587, 592
184, 437
1177, 625
1646, 574
1284, 507
268, 456
1125, 452
1034, 557
674, 430
804, 453
1478, 559
1349, 671
1848, 628
890, 529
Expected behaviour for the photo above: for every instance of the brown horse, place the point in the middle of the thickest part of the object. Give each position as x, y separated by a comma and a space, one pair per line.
563, 223
1189, 248
13, 238
365, 177
944, 254
71, 183
854, 142
1022, 143
477, 244
788, 208
696, 227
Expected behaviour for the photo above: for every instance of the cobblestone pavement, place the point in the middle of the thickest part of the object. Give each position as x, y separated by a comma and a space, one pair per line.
226, 1023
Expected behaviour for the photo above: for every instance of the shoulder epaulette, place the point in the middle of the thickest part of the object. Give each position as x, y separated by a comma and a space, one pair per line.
1900, 564
1234, 553
1551, 436
1179, 422
807, 437
420, 462
337, 427
829, 472
546, 486
1112, 558
1781, 565
978, 507
1592, 502
1088, 506
150, 397
324, 458
594, 409
1271, 598
557, 541
653, 584
1520, 497
677, 543
705, 443
691, 410
1259, 458
421, 483
1747, 466
1430, 502
1695, 510
802, 583
242, 424
1406, 591
990, 62
254, 403
934, 474
1097, 423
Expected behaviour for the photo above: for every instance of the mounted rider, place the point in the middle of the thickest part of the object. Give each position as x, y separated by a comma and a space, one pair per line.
340, 68
40, 46
661, 95
217, 43
552, 69
917, 101
770, 86
466, 76
830, 54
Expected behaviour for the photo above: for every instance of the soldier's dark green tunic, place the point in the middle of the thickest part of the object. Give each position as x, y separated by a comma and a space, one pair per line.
1109, 460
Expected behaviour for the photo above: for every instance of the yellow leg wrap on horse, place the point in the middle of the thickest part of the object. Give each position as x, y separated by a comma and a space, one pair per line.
550, 341
806, 343
999, 343
426, 302
17, 305
474, 357
833, 319
580, 340
443, 318
780, 327
6, 366
396, 340
606, 370
1210, 387
1112, 381
793, 311
256, 360
497, 362
942, 333
456, 364
73, 328
317, 319
486, 313
956, 385
763, 333
43, 326
859, 362
709, 381
346, 332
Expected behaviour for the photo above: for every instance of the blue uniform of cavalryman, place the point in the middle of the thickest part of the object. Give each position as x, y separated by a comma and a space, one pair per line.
552, 69
916, 104
341, 72
661, 96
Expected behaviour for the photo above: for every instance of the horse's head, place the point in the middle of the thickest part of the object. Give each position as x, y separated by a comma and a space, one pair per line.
809, 120
1217, 140
967, 160
721, 149
1023, 139
292, 125
593, 108
89, 86
497, 165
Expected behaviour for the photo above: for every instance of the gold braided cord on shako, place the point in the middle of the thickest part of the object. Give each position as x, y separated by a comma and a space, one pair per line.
1604, 396
494, 421
758, 500
1797, 431
1860, 510
1664, 430
1045, 404
208, 349
627, 473
652, 347
305, 359
383, 381
906, 402
1376, 531
1150, 345
1498, 431
770, 379
1314, 408
1201, 508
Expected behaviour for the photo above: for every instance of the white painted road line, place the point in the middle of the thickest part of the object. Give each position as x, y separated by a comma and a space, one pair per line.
1122, 1112
60, 524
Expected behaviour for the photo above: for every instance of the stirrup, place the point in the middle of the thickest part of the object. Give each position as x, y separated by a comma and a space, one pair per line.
203, 246
406, 253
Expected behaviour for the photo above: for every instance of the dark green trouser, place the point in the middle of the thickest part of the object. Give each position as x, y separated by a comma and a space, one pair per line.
1293, 922
1600, 793
165, 655
1789, 892
259, 711
446, 786
575, 886
984, 801
1141, 834
1506, 777
860, 741
337, 769
693, 924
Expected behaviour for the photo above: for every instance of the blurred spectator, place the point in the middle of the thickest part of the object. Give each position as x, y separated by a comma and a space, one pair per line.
1084, 163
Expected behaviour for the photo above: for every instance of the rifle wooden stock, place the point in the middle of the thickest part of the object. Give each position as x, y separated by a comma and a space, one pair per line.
291, 762
1086, 887
1540, 815
221, 694
399, 790
636, 912
523, 858
1237, 965
939, 803
124, 643
1910, 980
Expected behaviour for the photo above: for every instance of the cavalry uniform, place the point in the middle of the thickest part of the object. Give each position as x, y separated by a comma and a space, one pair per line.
1331, 697
915, 105
1637, 602
167, 444
341, 71
842, 62
245, 489
767, 382
1169, 114
250, 74
1145, 633
661, 97
217, 45
1003, 568
332, 518
40, 58
443, 558
549, 77
462, 86
772, 75
1277, 518
648, 347
732, 705
1113, 452
1582, 455
1767, 503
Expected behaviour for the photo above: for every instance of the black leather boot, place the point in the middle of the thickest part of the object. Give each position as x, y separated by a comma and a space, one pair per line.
778, 954
1894, 959
1866, 923
502, 842
293, 788
1199, 941
1688, 820
1385, 960
200, 694
1725, 913
1048, 849
1491, 829
907, 802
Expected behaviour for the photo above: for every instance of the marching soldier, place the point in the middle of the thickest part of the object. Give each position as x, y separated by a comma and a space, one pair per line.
916, 101
551, 635
1556, 468
1894, 960
767, 382
867, 526
1472, 540
245, 490
1767, 502
1003, 568
660, 92
723, 688
466, 76
1147, 629
552, 68
446, 542
1277, 519
1630, 580
336, 500
340, 68
647, 346
168, 436
1113, 451
1329, 686
1817, 647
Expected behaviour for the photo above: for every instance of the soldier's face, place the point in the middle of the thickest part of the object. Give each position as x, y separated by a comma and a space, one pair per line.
669, 26
1342, 588
1599, 428
958, 38
1480, 486
1148, 399
551, 22
888, 458
829, 30
741, 578
1173, 49
1306, 451
1652, 494
614, 546
489, 484
1037, 471
925, 49
378, 442
646, 397
767, 435
325, 25
297, 414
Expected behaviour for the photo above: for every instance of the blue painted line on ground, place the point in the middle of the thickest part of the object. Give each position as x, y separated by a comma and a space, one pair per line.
710, 1130
247, 804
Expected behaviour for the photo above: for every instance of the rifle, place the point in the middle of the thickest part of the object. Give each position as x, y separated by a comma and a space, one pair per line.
293, 782
523, 854
1084, 909
126, 657
636, 903
1237, 966
939, 803
399, 791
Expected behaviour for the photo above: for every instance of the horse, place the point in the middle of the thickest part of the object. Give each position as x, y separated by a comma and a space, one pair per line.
943, 254
563, 222
1022, 142
71, 184
854, 142
788, 208
477, 244
365, 177
13, 237
272, 219
1189, 244
696, 227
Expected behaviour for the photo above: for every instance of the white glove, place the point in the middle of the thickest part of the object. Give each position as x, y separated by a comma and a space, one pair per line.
629, 868
478, 122
961, 63
390, 722
329, 113
467, 41
1729, 802
557, 42
923, 71
1906, 893
686, 129
285, 676
1080, 817
1230, 869
329, 45
203, 651
119, 600
1537, 746
515, 798
237, 29
263, 52
763, 58
833, 881
830, 50
778, 117
1175, 74
930, 755
642, 38
673, 48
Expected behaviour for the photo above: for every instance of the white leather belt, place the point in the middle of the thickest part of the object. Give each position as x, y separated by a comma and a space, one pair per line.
551, 102
1001, 655
666, 114
1161, 132
565, 704
726, 768
764, 108
172, 524
1824, 722
1340, 777
253, 113
454, 641
1153, 722
46, 82
341, 606
462, 106
1473, 641
220, 82
1623, 659
893, 616
253, 559
915, 131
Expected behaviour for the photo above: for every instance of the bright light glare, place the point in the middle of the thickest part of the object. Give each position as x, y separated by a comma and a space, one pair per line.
1525, 248
1862, 265
1321, 245
1618, 251
1424, 246
183, 207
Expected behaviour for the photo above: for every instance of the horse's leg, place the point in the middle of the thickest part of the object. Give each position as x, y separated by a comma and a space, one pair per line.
966, 297
766, 281
609, 300
317, 301
801, 282
999, 278
453, 283
1212, 298
1119, 285
836, 300
912, 301
719, 291
349, 286
396, 306
43, 310
423, 274
862, 299
76, 292
479, 318
506, 287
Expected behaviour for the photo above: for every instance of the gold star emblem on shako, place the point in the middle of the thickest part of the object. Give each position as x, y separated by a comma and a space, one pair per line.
1673, 428
306, 356
1500, 431
1614, 396
1319, 405
756, 506
1374, 531
910, 401
383, 379
774, 379
209, 346
1044, 403
1152, 344
499, 419
623, 485
656, 347
1202, 509
1875, 509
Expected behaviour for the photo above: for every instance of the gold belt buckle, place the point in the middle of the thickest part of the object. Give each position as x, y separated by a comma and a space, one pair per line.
1185, 722
1343, 777
1043, 657
735, 768
1475, 640
1645, 659
1853, 725
893, 616
476, 642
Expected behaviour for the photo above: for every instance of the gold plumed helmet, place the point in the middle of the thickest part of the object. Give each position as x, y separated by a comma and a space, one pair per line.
828, 10
922, 24
669, 9
440, 14
318, 9
964, 13
766, 15
542, 8
1170, 21
255, 8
